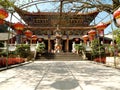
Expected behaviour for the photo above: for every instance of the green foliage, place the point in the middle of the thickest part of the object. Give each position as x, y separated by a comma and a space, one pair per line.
23, 50
40, 47
117, 36
79, 47
97, 48
7, 3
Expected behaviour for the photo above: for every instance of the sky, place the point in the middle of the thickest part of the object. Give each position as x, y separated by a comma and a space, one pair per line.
101, 17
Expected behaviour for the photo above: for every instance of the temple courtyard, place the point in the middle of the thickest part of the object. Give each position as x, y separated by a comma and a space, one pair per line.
60, 75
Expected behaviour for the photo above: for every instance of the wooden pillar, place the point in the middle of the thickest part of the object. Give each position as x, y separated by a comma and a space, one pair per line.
67, 43
49, 44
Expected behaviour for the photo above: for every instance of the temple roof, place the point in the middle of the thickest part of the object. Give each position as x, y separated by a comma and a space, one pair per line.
51, 19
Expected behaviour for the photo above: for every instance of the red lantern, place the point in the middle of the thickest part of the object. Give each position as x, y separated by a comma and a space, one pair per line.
18, 26
3, 14
34, 37
85, 38
101, 26
116, 15
28, 33
91, 34
1, 21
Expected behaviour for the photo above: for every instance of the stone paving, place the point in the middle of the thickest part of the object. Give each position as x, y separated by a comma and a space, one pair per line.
60, 75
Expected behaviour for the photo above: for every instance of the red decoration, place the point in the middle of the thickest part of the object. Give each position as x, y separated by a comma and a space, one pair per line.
18, 26
91, 34
116, 14
101, 26
1, 21
34, 37
85, 38
28, 33
3, 14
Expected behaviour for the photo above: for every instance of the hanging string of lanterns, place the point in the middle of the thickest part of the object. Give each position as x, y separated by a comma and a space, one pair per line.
3, 15
34, 37
91, 34
28, 33
18, 27
116, 15
85, 38
100, 27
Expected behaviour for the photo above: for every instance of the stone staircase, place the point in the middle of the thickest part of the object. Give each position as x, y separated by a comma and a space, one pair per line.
60, 56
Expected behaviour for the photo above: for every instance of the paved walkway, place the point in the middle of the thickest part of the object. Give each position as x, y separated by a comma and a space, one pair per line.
60, 75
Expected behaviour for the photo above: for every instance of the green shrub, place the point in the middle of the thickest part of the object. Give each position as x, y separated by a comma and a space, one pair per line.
23, 50
79, 47
40, 47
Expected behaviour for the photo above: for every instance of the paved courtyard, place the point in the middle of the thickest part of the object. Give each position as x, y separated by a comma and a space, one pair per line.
60, 75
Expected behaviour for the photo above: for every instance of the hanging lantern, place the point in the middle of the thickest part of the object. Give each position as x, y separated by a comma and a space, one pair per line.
101, 26
34, 37
3, 14
18, 26
91, 34
116, 15
85, 38
28, 33
2, 21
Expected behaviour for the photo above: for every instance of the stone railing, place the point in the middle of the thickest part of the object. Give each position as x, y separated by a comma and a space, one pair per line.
12, 47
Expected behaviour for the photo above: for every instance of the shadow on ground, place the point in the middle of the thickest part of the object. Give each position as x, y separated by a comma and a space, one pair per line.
66, 84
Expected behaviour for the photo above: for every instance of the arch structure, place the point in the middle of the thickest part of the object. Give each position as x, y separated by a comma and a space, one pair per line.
72, 24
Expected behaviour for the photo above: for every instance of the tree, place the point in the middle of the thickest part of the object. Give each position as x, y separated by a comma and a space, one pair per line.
117, 36
7, 3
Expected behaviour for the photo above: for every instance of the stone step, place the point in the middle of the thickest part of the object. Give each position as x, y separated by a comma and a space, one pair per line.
60, 56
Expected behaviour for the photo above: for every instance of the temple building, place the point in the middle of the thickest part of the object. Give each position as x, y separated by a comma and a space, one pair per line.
48, 25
